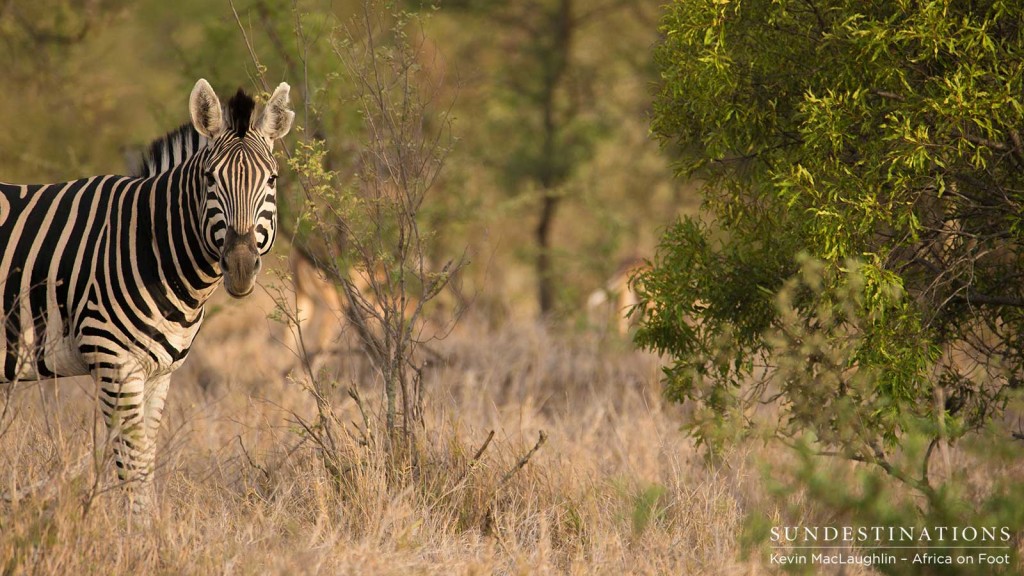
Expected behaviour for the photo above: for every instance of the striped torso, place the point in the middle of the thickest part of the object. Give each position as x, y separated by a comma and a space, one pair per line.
101, 272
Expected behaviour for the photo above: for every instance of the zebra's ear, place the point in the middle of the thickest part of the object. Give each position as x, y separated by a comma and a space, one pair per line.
276, 119
204, 106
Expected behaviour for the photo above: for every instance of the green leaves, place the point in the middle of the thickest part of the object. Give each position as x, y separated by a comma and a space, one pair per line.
880, 143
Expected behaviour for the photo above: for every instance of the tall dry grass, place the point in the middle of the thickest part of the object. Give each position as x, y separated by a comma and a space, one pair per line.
616, 488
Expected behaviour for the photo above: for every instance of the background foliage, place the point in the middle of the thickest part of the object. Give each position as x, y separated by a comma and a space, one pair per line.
879, 140
537, 127
857, 259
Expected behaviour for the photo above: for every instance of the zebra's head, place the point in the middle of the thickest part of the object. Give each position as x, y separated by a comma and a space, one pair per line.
240, 176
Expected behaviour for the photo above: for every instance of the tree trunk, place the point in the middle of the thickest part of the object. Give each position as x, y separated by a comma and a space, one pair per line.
551, 173
545, 275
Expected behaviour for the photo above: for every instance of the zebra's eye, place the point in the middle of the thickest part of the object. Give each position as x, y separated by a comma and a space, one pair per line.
272, 181
210, 181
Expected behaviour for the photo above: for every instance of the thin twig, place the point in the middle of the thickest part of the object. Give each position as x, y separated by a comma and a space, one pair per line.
480, 452
541, 439
249, 458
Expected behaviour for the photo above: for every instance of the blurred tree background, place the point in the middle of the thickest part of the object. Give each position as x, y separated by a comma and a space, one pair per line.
553, 180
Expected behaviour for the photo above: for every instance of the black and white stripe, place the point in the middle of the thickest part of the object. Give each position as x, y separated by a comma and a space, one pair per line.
107, 276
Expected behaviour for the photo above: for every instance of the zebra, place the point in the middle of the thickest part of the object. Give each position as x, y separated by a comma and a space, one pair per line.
108, 276
318, 306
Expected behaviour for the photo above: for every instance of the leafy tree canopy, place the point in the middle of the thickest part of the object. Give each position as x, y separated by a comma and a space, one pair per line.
881, 140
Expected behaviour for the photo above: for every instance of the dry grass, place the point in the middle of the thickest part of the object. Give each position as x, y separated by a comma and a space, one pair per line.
615, 489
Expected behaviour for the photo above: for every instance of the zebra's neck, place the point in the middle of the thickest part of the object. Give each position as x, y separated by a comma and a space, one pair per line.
188, 266
171, 165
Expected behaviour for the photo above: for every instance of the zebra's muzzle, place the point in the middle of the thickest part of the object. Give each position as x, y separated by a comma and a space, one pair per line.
240, 262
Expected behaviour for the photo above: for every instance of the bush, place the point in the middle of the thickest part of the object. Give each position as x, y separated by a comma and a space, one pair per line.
851, 285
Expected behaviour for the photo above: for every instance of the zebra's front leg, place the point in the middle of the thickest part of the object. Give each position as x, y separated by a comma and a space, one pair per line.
122, 399
156, 395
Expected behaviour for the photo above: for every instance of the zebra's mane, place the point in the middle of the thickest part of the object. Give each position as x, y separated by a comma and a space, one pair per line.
166, 152
178, 145
238, 113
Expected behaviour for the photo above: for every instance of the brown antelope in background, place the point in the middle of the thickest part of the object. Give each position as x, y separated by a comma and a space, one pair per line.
322, 309
319, 312
616, 299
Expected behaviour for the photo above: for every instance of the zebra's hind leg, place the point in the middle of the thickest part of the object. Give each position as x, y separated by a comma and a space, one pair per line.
122, 402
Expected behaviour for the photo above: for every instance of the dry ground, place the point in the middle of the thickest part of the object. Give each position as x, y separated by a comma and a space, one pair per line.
615, 489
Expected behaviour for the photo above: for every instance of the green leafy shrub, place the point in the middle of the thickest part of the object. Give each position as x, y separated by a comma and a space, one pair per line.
852, 286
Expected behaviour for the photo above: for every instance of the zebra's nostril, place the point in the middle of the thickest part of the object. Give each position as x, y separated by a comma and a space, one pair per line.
224, 265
